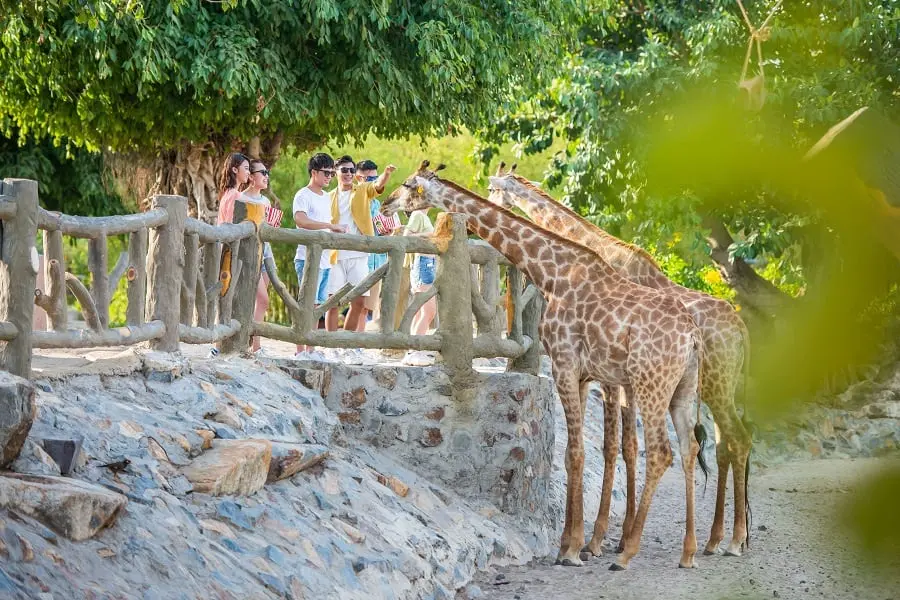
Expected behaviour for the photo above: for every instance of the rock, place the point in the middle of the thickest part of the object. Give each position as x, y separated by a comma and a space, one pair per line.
131, 430
289, 459
217, 527
33, 460
27, 551
164, 367
16, 415
231, 467
207, 436
355, 535
354, 399
244, 406
156, 450
889, 409
225, 415
470, 592
397, 486
435, 414
66, 453
73, 508
237, 515
389, 409
209, 389
431, 437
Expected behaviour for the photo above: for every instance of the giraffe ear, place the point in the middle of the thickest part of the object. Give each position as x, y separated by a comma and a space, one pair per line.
512, 169
440, 167
500, 168
424, 164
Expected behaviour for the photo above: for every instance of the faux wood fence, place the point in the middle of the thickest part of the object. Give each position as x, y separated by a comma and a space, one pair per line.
174, 287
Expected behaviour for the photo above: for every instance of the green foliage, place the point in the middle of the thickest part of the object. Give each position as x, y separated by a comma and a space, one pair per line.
71, 182
146, 75
823, 61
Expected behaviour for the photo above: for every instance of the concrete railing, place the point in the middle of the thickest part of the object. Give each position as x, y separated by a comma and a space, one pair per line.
180, 290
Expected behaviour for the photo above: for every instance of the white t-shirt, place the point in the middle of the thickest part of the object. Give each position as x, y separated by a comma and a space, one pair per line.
318, 208
347, 219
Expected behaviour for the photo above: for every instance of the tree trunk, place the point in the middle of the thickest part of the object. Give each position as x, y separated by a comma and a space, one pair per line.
192, 170
759, 297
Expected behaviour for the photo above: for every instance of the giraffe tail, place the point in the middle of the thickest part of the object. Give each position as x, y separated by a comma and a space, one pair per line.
699, 430
748, 427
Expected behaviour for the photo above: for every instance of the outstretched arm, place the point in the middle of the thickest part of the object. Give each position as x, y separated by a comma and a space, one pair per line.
382, 180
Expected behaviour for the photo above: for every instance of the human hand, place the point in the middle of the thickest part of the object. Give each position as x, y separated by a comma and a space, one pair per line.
339, 228
390, 169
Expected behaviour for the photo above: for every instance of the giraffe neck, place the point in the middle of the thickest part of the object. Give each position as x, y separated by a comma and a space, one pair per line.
630, 261
545, 258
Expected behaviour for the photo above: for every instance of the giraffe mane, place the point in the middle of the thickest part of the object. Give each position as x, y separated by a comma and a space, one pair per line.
640, 252
520, 219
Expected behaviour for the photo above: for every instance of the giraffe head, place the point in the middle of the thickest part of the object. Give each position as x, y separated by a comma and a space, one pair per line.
417, 192
509, 190
499, 189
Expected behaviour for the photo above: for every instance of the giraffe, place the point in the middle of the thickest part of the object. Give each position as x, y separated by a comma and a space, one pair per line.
597, 326
725, 340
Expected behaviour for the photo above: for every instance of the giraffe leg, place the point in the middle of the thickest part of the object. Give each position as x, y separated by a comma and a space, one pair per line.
740, 454
629, 452
717, 533
610, 454
682, 418
659, 457
573, 530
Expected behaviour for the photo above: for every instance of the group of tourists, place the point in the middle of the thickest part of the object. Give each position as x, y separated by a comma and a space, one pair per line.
351, 206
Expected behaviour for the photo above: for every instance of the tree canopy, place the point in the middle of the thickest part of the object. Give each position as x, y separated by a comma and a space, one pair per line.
147, 75
637, 58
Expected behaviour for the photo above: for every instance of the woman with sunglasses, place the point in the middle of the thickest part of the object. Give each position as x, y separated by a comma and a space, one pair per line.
259, 180
235, 175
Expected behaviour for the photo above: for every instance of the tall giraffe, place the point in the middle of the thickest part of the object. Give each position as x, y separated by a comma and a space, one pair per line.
597, 326
725, 341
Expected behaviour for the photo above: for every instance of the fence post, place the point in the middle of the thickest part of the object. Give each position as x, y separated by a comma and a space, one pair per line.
55, 280
18, 272
454, 285
165, 270
530, 362
249, 254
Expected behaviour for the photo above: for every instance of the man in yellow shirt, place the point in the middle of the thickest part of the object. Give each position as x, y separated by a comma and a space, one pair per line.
351, 205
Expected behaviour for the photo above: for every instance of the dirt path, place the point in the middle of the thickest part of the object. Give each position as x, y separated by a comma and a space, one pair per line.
797, 549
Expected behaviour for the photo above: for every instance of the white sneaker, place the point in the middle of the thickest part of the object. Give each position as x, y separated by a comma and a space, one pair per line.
418, 358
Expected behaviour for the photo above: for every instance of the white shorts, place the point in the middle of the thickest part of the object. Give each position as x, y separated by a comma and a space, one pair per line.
348, 270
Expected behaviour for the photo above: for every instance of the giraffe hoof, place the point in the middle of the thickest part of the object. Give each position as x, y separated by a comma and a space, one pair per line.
690, 565
710, 552
732, 552
587, 553
617, 567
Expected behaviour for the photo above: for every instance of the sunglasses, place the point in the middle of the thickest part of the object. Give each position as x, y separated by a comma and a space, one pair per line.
263, 171
346, 170
325, 172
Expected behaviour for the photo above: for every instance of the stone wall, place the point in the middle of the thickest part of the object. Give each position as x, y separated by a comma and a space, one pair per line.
499, 448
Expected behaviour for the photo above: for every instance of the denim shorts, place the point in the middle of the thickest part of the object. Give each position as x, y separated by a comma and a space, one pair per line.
322, 291
423, 271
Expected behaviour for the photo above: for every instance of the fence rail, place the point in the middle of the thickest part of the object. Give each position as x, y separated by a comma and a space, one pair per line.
191, 282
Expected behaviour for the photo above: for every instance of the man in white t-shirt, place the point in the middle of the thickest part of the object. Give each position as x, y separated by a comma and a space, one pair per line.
312, 210
351, 207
